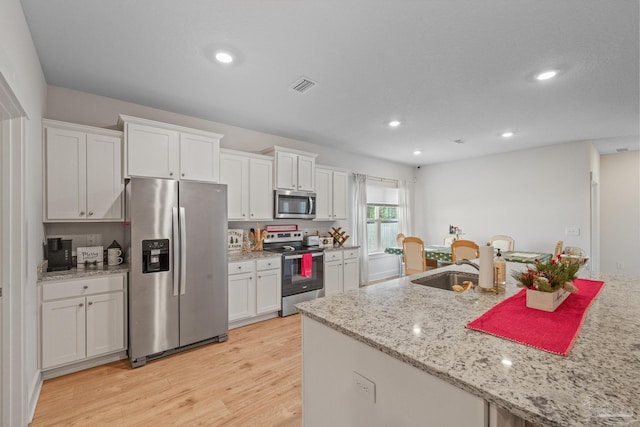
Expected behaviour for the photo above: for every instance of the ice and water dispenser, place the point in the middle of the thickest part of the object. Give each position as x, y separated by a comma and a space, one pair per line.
155, 255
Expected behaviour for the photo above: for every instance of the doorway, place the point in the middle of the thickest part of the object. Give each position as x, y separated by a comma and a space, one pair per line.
13, 406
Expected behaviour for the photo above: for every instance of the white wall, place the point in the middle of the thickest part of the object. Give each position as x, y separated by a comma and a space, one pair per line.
531, 195
620, 212
21, 68
84, 108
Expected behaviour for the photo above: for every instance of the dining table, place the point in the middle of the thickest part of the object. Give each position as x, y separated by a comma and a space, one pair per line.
443, 254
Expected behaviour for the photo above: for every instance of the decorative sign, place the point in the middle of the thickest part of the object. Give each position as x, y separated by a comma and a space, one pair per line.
234, 240
91, 255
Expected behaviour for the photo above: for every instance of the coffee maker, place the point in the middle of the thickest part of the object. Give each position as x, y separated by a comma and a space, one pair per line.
59, 254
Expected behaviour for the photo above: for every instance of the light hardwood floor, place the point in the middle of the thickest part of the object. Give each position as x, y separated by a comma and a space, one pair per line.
253, 379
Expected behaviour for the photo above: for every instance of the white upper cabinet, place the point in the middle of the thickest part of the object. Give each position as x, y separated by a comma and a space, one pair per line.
331, 194
294, 170
152, 151
162, 150
83, 178
249, 185
199, 157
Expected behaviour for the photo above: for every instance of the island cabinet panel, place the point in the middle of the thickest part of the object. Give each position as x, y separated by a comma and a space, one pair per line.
333, 365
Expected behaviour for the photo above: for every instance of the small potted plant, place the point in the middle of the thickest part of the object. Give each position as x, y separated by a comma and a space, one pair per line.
548, 283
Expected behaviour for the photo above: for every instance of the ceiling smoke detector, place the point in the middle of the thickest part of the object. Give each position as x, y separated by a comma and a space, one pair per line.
303, 85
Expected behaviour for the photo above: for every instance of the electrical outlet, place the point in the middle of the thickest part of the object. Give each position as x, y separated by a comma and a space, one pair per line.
364, 387
572, 231
620, 265
94, 239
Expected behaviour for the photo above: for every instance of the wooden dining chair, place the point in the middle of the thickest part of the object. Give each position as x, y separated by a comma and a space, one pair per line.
414, 259
502, 242
558, 250
464, 249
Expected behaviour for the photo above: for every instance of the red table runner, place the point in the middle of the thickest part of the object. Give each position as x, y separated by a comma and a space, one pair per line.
553, 332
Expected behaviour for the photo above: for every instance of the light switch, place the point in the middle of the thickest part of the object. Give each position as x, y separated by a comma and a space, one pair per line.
572, 231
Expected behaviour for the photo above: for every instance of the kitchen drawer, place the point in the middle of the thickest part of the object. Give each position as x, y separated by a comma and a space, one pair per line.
241, 267
351, 253
332, 256
82, 287
269, 263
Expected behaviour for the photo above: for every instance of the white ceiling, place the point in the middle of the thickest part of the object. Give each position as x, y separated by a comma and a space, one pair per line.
449, 69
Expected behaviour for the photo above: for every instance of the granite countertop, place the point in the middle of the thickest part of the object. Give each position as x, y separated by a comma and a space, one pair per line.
252, 255
596, 384
76, 273
341, 248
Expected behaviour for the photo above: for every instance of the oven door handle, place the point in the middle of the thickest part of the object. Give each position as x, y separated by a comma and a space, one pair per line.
314, 254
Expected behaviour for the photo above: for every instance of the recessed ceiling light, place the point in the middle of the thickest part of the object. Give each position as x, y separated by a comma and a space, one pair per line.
546, 75
224, 57
417, 152
507, 134
394, 123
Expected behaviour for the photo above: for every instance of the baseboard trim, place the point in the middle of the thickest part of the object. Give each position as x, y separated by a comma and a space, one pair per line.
34, 395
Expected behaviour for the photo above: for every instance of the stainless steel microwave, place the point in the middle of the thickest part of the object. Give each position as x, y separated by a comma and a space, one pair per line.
294, 204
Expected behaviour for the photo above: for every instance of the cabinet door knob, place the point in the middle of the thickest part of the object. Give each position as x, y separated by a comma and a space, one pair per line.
259, 277
170, 173
82, 213
183, 174
90, 303
251, 214
90, 213
81, 305
239, 268
85, 287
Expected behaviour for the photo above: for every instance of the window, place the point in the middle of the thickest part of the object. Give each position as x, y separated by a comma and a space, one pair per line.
382, 226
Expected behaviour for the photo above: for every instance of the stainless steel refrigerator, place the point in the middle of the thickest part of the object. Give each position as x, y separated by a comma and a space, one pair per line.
176, 233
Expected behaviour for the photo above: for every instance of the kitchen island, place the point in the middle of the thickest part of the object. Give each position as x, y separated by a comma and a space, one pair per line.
411, 341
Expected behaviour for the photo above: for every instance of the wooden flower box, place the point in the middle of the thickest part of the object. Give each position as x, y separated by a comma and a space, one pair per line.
546, 301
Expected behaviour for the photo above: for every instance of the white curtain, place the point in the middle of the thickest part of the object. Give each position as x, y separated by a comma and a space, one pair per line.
360, 225
404, 209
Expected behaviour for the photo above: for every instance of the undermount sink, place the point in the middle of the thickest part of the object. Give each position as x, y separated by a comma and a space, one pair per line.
446, 279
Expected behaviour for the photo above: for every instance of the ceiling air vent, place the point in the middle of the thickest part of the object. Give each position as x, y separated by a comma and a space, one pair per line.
303, 85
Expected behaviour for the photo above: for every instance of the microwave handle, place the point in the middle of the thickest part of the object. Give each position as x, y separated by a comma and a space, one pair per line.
310, 205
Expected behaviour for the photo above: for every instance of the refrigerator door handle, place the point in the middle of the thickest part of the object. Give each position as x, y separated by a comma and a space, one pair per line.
183, 251
176, 254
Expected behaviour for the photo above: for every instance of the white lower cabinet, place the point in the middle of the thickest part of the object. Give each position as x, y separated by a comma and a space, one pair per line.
341, 270
255, 290
82, 319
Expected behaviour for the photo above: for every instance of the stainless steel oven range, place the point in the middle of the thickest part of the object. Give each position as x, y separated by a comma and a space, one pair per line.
302, 269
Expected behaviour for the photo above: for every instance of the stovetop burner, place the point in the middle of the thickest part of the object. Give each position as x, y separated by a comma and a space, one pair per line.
288, 243
294, 250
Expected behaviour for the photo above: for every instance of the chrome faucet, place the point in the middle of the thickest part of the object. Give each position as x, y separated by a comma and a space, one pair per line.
467, 262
